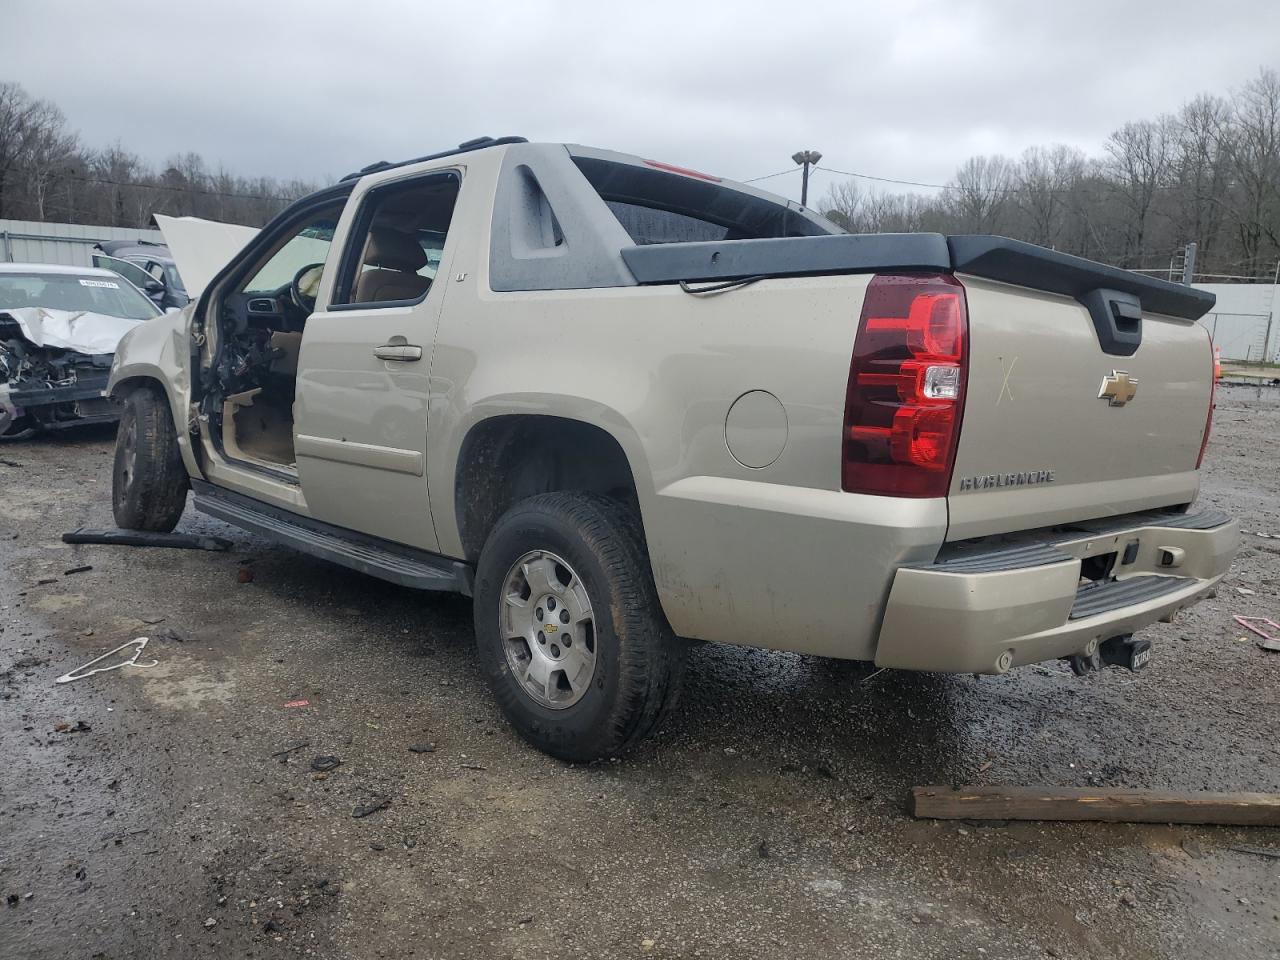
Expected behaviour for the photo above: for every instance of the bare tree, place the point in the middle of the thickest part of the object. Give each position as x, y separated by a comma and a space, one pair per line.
979, 194
843, 206
1043, 179
25, 122
877, 212
51, 155
1254, 150
1138, 165
1200, 174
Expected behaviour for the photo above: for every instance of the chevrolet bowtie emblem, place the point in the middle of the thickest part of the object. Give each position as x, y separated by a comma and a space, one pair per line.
1119, 388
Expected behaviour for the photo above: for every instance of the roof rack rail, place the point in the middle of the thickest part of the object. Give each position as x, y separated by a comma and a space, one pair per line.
479, 143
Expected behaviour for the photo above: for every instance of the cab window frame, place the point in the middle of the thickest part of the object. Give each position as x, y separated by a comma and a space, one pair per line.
349, 265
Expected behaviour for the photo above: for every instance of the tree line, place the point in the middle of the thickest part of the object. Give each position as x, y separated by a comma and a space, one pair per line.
48, 173
1209, 173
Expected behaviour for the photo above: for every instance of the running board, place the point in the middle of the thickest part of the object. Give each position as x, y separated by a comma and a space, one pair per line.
394, 562
1096, 598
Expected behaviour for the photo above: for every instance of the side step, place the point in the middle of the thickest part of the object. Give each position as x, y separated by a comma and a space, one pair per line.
406, 566
1095, 598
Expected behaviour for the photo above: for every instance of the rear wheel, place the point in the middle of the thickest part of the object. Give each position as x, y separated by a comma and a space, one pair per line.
571, 635
148, 479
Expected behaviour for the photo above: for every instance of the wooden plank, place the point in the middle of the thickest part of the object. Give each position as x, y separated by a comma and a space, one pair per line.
1106, 804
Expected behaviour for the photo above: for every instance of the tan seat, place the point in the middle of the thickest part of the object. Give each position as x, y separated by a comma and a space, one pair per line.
396, 259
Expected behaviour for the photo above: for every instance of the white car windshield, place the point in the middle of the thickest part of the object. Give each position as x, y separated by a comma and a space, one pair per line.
75, 292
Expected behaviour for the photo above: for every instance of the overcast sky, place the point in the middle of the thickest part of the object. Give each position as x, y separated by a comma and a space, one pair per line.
908, 89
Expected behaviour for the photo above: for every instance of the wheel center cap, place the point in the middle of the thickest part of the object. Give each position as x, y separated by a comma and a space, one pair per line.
548, 629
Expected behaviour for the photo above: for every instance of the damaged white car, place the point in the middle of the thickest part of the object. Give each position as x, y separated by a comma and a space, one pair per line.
59, 328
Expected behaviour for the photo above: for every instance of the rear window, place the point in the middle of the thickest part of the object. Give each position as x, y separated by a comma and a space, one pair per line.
655, 206
651, 225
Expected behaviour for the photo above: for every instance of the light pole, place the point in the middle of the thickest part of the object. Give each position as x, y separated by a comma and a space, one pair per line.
806, 158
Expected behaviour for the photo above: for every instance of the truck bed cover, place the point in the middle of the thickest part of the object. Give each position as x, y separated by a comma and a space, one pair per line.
995, 258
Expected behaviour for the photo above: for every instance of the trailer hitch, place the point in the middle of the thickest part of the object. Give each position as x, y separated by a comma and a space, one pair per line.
1121, 651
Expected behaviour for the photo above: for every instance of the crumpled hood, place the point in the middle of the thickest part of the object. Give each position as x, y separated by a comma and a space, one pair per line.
79, 330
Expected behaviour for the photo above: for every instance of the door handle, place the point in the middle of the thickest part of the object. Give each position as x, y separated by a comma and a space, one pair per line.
397, 349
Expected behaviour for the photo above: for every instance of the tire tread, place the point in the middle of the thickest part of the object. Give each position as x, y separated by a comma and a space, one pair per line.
158, 495
651, 659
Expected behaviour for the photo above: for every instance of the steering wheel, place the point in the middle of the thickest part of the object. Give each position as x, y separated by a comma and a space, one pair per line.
305, 285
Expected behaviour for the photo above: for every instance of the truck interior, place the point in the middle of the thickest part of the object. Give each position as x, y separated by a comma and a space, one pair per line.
391, 259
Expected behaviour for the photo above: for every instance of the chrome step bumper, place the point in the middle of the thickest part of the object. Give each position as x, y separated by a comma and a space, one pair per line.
987, 610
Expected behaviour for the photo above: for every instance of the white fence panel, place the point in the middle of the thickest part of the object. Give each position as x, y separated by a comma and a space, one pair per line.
30, 241
1240, 320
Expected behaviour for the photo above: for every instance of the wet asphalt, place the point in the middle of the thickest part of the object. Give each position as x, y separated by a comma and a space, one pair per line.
174, 811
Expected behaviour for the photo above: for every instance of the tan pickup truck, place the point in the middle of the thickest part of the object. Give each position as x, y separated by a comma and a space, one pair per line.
623, 404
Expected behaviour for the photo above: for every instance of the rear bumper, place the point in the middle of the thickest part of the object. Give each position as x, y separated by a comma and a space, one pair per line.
985, 610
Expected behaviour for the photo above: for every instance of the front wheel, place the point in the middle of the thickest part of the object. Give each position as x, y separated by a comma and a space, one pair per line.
570, 632
148, 478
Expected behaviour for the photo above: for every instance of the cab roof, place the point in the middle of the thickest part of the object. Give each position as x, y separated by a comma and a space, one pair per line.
479, 143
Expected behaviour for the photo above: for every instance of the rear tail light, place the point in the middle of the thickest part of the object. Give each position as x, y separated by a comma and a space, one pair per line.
906, 387
1213, 395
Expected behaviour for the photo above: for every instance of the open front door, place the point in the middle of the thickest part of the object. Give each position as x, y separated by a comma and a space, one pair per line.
360, 416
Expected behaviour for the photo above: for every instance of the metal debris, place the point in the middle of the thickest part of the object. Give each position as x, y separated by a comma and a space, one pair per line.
293, 747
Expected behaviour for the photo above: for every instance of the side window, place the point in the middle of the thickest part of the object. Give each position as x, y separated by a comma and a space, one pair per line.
396, 243
174, 280
126, 268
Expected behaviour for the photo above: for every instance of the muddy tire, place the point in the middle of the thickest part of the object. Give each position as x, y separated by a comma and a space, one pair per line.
148, 479
571, 636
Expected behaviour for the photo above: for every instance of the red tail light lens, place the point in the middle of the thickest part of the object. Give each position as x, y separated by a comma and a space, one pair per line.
1213, 396
906, 387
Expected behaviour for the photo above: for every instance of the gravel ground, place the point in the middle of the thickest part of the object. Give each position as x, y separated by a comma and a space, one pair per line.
766, 819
